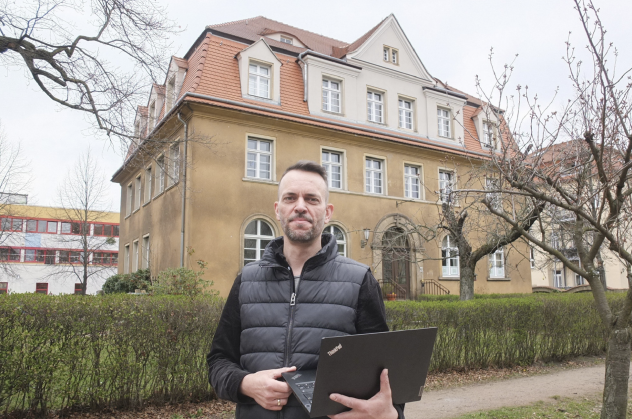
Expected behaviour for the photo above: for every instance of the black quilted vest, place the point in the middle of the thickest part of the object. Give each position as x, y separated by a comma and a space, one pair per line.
281, 326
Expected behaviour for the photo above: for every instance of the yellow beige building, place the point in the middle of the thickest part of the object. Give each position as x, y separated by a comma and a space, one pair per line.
251, 98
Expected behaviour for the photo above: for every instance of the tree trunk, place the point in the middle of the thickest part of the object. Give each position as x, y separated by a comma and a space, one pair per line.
468, 274
615, 392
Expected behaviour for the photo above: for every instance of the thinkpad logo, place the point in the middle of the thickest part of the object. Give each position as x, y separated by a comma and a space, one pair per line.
296, 376
336, 349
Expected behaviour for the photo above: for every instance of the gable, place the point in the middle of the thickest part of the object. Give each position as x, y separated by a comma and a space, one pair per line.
390, 34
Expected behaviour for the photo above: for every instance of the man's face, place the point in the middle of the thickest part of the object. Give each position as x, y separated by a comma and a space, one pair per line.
302, 208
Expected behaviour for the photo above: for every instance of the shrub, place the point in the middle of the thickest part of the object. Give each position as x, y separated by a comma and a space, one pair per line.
182, 281
126, 283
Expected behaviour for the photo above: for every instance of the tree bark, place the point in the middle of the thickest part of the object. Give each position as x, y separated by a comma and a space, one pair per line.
468, 274
615, 393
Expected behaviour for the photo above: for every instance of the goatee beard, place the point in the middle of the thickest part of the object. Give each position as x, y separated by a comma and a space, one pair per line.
301, 236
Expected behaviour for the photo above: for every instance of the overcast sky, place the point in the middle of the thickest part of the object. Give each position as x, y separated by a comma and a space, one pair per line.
452, 39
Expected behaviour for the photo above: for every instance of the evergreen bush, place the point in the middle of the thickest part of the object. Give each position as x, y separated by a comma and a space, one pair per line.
126, 283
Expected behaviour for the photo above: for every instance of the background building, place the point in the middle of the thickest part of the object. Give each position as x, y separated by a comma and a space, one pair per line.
40, 251
258, 95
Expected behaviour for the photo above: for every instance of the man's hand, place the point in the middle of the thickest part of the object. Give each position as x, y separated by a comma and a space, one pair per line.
379, 406
266, 390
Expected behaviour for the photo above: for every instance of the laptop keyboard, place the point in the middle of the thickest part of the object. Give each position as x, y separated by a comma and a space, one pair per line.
307, 389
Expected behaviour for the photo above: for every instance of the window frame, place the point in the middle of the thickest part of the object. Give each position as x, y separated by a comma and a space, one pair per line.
174, 164
446, 269
161, 172
531, 257
328, 164
345, 242
11, 224
403, 110
258, 237
39, 288
149, 179
390, 55
259, 139
488, 135
447, 119
494, 271
328, 89
495, 198
126, 266
258, 77
146, 251
419, 178
128, 199
14, 254
285, 39
97, 258
371, 189
113, 225
452, 183
371, 110
151, 115
138, 184
4, 287
135, 255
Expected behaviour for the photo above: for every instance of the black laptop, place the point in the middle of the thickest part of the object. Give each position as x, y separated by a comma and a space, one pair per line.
351, 365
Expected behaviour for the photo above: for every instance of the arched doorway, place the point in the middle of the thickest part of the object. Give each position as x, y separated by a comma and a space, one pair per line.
396, 258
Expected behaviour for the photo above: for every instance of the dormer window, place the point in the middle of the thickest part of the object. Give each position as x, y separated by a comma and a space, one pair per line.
152, 115
171, 92
488, 135
259, 80
287, 40
391, 55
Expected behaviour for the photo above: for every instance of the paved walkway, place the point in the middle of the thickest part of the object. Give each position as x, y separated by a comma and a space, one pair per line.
456, 401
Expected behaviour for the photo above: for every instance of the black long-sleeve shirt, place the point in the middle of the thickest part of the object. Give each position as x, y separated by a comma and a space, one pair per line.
225, 372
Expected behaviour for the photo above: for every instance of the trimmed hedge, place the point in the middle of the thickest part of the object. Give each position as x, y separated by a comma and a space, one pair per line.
60, 352
69, 352
509, 331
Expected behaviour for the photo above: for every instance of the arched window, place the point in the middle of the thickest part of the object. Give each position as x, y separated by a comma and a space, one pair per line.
450, 257
340, 238
257, 235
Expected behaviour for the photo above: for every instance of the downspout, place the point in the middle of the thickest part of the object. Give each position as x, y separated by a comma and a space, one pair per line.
184, 186
300, 58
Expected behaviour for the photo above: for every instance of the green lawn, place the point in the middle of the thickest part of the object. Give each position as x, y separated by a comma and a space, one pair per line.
558, 408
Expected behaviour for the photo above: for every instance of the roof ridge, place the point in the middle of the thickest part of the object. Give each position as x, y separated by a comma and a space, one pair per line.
276, 21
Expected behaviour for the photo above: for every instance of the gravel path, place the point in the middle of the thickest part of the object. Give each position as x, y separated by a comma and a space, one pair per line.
453, 402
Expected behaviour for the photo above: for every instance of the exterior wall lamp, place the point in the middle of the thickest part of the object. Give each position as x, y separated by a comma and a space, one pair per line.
366, 238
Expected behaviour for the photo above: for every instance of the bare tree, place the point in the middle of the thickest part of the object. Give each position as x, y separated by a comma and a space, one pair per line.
81, 197
577, 160
71, 49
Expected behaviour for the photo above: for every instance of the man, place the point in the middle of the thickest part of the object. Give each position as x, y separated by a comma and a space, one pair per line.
281, 306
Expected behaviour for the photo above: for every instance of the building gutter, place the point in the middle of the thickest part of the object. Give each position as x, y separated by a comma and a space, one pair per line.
184, 186
300, 58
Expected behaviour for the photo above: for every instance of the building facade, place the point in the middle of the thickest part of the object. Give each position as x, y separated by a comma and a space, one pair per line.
41, 250
251, 98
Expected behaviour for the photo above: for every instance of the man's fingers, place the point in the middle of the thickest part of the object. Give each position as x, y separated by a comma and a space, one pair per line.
345, 400
385, 384
277, 373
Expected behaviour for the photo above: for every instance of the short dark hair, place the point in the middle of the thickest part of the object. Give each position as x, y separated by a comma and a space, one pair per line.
308, 166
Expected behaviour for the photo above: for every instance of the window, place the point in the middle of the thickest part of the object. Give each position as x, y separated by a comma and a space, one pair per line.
374, 105
36, 226
259, 80
532, 257
558, 280
259, 159
332, 162
257, 235
391, 55
126, 261
160, 179
493, 197
138, 184
65, 228
443, 117
135, 256
66, 256
4, 287
497, 264
105, 258
287, 40
8, 254
331, 96
555, 241
449, 257
174, 164
148, 181
446, 185
374, 175
128, 203
340, 238
411, 182
171, 93
78, 288
405, 114
107, 230
579, 280
51, 227
44, 255
145, 252
488, 135
41, 288
12, 224
152, 115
